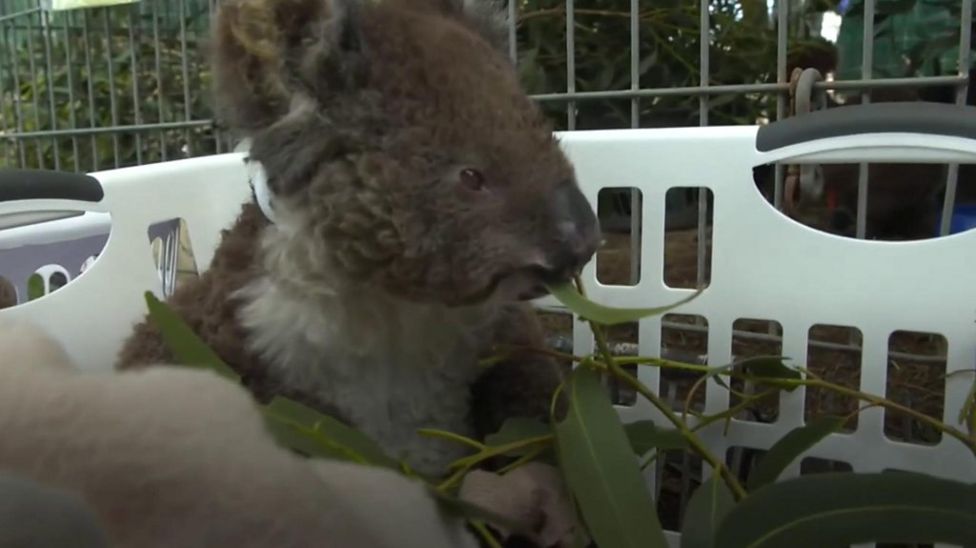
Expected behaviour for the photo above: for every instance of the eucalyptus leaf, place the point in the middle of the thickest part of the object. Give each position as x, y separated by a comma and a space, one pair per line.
601, 470
304, 440
517, 429
589, 310
185, 345
343, 438
842, 508
645, 436
707, 507
789, 447
770, 367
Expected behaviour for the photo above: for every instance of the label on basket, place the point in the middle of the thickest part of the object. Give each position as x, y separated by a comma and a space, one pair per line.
61, 5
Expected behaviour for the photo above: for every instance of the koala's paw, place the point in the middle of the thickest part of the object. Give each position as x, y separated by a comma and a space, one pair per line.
533, 494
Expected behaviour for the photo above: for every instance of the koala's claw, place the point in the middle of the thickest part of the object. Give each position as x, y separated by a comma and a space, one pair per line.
533, 494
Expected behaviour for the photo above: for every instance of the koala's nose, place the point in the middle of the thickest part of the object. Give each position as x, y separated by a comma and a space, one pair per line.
577, 232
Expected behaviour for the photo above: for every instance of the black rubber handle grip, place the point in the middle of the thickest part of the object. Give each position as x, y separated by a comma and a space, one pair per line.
942, 119
40, 184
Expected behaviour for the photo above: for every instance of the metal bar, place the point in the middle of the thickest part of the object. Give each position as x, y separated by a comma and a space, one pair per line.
108, 130
33, 73
91, 90
635, 195
49, 82
159, 79
634, 63
886, 83
111, 87
18, 111
782, 28
136, 102
12, 16
867, 64
8, 157
952, 175
512, 34
570, 63
218, 134
703, 106
72, 115
186, 76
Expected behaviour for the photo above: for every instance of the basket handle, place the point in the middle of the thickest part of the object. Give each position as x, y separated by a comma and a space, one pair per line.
876, 132
42, 185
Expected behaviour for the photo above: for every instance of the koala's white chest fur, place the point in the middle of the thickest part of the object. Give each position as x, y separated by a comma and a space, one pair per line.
387, 366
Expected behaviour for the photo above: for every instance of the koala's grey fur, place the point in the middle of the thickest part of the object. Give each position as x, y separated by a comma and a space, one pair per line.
386, 274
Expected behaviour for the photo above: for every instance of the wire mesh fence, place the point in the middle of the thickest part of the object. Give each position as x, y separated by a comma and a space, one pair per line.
102, 88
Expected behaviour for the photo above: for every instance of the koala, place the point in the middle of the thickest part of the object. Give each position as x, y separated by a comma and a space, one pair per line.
418, 200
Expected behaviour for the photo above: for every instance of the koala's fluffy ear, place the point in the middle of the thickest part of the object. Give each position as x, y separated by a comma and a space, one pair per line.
268, 54
485, 17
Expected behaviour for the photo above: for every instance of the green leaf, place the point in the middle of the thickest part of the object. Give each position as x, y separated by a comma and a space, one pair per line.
601, 470
341, 440
587, 309
185, 345
789, 447
842, 508
517, 429
304, 440
769, 367
708, 506
645, 435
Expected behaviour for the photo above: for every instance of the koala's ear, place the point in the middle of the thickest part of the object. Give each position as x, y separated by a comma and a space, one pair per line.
269, 54
488, 18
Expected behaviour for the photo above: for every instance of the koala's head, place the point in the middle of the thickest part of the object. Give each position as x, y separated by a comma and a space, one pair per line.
399, 145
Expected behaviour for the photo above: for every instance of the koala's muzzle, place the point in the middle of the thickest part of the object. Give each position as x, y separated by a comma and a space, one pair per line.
574, 235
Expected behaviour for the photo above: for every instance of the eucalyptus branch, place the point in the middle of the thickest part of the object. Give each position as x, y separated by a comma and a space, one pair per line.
693, 440
731, 411
811, 382
482, 530
509, 350
531, 454
451, 436
691, 395
464, 465
661, 406
877, 401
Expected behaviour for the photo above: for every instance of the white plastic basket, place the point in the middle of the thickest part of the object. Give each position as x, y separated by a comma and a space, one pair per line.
763, 265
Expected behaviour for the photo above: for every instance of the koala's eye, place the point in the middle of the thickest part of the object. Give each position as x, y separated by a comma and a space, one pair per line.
472, 178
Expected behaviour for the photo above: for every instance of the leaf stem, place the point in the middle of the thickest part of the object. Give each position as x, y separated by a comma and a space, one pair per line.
463, 465
533, 453
443, 434
482, 530
730, 412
